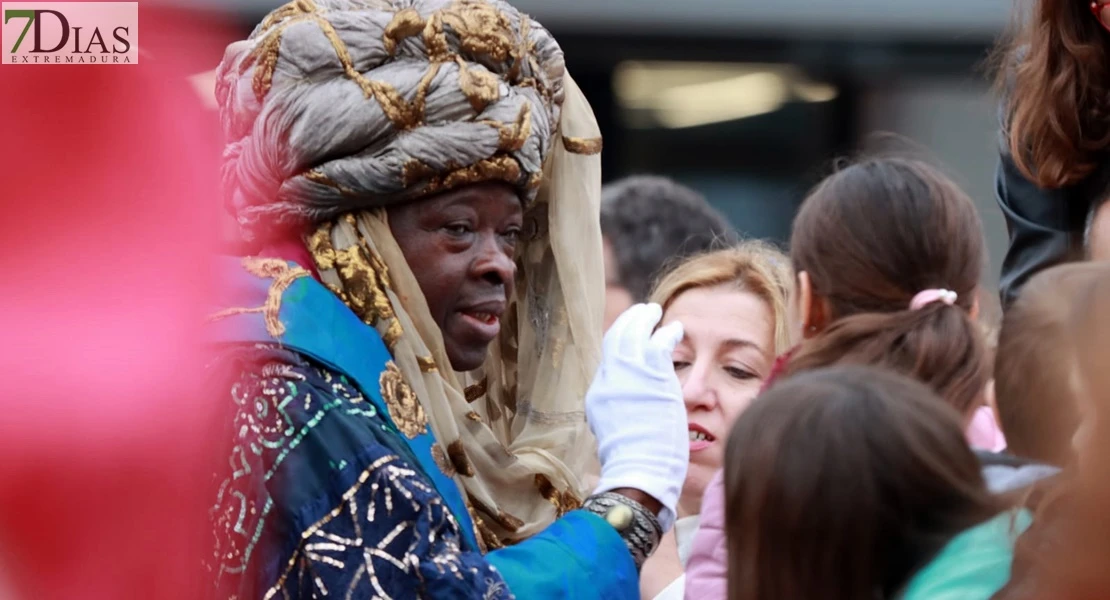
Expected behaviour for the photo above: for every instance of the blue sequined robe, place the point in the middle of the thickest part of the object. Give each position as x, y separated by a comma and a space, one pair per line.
324, 497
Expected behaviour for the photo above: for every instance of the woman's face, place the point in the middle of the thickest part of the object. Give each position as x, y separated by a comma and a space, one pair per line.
722, 361
460, 246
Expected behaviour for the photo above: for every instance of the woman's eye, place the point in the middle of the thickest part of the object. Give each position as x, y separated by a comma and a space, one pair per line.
457, 229
741, 374
512, 236
678, 364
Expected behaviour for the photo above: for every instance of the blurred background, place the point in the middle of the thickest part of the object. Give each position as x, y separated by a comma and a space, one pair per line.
750, 101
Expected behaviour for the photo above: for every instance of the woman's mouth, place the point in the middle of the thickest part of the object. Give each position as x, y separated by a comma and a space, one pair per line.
700, 439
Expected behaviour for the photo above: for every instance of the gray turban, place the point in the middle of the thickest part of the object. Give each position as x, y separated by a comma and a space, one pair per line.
338, 105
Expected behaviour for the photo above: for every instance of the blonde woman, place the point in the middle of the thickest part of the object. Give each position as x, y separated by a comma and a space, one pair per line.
732, 305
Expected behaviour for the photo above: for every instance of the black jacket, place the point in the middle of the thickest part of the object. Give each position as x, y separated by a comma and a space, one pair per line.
1046, 226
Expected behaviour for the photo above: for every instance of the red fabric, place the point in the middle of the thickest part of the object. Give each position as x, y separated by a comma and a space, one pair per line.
107, 210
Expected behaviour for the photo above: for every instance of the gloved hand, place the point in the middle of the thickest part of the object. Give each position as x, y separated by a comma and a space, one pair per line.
636, 412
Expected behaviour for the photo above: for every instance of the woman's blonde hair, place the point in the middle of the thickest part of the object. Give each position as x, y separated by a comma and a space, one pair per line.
751, 266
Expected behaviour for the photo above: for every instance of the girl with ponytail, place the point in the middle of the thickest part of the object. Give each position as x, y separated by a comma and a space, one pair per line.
888, 254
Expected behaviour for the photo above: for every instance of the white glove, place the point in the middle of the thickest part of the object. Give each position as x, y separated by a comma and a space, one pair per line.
636, 412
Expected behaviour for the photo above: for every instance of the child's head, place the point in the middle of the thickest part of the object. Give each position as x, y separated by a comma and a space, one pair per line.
1034, 366
842, 482
874, 245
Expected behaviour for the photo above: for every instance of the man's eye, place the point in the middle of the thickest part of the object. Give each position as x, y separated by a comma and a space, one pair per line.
457, 229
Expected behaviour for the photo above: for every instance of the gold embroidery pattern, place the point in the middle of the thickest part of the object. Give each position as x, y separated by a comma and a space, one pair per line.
587, 146
365, 281
283, 276
441, 460
487, 539
427, 364
457, 453
340, 540
473, 392
564, 502
402, 403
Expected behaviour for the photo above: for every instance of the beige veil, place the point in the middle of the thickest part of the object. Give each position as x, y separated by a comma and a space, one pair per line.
335, 109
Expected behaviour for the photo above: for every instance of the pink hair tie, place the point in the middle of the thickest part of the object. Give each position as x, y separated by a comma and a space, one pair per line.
927, 297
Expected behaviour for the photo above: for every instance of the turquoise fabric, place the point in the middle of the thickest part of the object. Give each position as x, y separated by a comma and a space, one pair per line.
579, 556
974, 565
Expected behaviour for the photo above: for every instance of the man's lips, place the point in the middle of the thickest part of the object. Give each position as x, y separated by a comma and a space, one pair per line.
488, 312
481, 321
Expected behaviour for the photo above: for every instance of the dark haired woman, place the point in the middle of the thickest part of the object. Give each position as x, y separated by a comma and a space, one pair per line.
1055, 150
856, 483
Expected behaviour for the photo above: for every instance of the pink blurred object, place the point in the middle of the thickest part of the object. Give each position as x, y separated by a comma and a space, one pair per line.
107, 212
707, 569
983, 433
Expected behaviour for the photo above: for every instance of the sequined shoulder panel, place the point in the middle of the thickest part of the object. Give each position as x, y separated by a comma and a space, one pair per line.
319, 496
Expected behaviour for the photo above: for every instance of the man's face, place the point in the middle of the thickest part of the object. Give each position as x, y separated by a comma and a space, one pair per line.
460, 246
617, 298
1098, 240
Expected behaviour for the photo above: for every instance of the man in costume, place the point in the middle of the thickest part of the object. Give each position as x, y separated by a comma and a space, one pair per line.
411, 346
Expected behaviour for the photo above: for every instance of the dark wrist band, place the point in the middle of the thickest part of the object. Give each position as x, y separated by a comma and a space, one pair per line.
639, 528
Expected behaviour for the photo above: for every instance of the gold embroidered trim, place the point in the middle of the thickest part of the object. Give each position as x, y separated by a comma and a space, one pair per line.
512, 137
487, 539
441, 460
405, 24
477, 390
283, 276
498, 168
564, 502
317, 177
507, 521
365, 278
478, 85
457, 453
402, 403
587, 146
427, 364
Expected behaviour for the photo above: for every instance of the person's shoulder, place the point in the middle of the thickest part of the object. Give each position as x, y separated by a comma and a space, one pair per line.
973, 565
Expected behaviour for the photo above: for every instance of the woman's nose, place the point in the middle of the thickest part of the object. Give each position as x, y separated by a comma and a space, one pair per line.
697, 387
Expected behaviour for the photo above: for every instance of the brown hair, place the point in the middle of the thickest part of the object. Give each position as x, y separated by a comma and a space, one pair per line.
871, 237
1064, 553
841, 483
1033, 369
1055, 73
751, 266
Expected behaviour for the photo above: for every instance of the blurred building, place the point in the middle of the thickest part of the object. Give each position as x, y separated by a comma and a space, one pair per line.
750, 101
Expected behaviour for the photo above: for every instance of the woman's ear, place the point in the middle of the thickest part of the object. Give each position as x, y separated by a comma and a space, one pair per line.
974, 312
813, 309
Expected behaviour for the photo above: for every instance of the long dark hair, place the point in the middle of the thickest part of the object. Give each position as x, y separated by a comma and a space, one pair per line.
1055, 74
872, 236
843, 482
